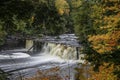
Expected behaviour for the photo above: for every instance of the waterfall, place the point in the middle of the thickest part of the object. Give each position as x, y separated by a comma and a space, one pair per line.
63, 51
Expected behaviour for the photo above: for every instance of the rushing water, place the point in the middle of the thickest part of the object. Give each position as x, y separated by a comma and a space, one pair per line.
52, 55
14, 55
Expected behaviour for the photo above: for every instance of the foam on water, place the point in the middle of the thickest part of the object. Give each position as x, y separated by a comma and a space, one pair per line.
60, 50
14, 55
52, 55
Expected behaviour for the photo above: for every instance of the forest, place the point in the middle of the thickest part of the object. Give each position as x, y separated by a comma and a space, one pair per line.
95, 22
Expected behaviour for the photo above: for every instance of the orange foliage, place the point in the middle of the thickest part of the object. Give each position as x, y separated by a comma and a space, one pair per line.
108, 41
105, 73
105, 42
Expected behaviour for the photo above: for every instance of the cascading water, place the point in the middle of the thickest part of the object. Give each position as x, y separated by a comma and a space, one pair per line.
64, 52
55, 53
14, 55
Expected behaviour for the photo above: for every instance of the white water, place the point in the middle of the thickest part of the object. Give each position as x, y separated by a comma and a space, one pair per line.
64, 52
49, 51
52, 55
14, 55
44, 60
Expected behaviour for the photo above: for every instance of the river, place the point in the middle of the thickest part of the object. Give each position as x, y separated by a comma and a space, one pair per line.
53, 54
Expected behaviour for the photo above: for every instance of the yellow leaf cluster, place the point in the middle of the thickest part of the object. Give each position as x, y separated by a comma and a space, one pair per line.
76, 3
105, 42
105, 73
110, 23
110, 0
62, 6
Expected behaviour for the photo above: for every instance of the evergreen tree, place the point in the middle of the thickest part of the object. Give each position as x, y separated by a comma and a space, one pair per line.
97, 25
32, 17
49, 19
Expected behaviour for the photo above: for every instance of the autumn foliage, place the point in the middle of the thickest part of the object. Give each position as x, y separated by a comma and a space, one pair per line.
106, 42
97, 23
108, 39
105, 73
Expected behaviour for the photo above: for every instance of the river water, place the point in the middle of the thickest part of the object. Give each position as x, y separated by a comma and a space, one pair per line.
55, 53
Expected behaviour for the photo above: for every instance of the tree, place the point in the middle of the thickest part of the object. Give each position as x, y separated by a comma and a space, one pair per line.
83, 23
14, 14
106, 42
97, 25
2, 34
48, 18
33, 17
